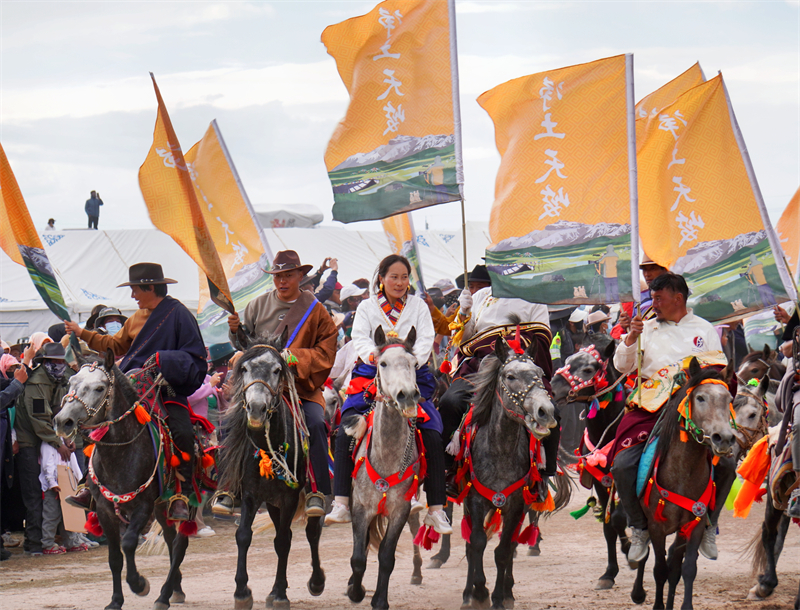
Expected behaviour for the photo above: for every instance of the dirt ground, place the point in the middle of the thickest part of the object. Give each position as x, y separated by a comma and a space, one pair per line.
563, 576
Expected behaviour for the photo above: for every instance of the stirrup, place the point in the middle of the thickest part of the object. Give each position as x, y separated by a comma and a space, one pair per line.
217, 508
176, 498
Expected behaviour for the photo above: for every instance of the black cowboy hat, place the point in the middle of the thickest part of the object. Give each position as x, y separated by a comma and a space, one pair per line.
478, 274
146, 274
91, 319
53, 351
288, 260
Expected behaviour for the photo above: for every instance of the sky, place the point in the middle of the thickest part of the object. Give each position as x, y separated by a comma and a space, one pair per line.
77, 108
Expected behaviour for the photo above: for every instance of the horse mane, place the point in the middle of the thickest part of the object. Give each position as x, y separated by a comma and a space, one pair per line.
236, 448
125, 386
669, 424
485, 383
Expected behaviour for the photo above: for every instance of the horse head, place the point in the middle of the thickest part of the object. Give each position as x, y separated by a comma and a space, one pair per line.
751, 412
582, 376
520, 381
89, 396
261, 375
708, 418
396, 379
760, 364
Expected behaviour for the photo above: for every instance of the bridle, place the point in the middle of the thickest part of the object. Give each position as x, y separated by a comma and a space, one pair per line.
103, 404
379, 394
518, 398
751, 435
687, 425
273, 406
598, 382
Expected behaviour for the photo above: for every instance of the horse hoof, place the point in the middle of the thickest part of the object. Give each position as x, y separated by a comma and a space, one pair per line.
466, 604
758, 592
356, 595
316, 589
481, 604
146, 589
416, 579
603, 584
638, 598
435, 564
113, 606
270, 600
161, 606
246, 603
508, 603
281, 604
533, 551
178, 597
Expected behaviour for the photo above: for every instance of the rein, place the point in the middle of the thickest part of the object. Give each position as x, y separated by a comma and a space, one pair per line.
598, 382
751, 435
687, 424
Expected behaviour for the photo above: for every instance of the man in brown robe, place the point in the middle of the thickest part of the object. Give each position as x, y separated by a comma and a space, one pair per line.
310, 349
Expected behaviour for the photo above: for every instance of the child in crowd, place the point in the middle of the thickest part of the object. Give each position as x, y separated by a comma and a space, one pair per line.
51, 506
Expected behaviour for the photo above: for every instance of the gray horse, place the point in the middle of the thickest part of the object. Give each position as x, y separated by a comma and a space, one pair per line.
511, 406
386, 465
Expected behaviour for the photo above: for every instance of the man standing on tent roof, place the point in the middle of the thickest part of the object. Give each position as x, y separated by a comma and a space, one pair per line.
310, 350
161, 336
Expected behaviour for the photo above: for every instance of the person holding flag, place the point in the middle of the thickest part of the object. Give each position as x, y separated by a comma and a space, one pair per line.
162, 336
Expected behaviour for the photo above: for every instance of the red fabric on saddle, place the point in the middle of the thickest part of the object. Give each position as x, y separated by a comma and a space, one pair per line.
361, 384
193, 417
634, 428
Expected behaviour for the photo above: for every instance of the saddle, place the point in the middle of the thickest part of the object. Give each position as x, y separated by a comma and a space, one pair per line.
782, 478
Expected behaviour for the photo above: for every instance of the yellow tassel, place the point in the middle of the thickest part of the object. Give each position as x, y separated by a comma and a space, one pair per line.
265, 466
142, 416
87, 450
684, 436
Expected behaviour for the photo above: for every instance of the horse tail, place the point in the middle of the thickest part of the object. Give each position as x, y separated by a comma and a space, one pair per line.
377, 530
358, 428
262, 524
757, 553
563, 491
235, 449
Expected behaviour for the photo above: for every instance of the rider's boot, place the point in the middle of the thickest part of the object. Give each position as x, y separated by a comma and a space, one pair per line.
82, 498
708, 546
315, 504
438, 520
640, 541
178, 507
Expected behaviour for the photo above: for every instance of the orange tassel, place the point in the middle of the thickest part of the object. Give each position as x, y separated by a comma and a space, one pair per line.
142, 416
174, 461
207, 461
684, 436
186, 457
265, 466
548, 505
87, 450
715, 460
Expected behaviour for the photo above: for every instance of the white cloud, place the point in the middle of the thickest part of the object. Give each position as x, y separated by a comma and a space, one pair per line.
505, 7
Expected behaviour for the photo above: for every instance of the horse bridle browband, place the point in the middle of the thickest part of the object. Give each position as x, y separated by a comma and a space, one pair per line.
750, 434
597, 379
518, 398
273, 392
71, 395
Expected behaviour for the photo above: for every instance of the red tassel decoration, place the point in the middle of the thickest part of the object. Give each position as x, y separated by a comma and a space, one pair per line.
93, 524
533, 538
142, 416
446, 367
207, 461
98, 433
174, 461
495, 523
186, 457
431, 538
418, 539
464, 493
659, 516
412, 491
527, 496
466, 527
525, 535
187, 528
382, 506
760, 495
87, 450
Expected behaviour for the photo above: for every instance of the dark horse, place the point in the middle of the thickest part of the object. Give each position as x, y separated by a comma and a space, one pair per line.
762, 364
262, 461
589, 375
124, 464
694, 431
511, 414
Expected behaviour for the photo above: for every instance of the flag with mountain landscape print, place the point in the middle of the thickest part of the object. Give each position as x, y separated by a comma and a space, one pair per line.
394, 151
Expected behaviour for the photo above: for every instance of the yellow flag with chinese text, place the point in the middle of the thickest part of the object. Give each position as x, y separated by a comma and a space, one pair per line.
394, 151
234, 229
173, 207
699, 215
399, 230
789, 234
560, 222
19, 239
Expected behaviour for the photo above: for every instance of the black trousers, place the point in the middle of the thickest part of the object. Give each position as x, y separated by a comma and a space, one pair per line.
27, 461
180, 426
317, 444
93, 222
434, 453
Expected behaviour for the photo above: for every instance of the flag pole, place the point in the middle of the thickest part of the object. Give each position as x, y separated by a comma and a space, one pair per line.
777, 250
451, 10
633, 188
250, 210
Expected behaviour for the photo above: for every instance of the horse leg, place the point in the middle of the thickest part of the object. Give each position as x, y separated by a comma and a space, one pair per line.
477, 543
675, 560
130, 541
438, 560
413, 525
282, 517
386, 559
769, 538
169, 533
508, 587
606, 581
316, 584
110, 525
179, 544
243, 596
661, 568
638, 594
358, 561
503, 556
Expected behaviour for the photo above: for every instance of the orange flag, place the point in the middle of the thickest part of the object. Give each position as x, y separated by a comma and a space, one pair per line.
560, 222
394, 151
171, 201
650, 105
244, 253
701, 213
789, 234
19, 239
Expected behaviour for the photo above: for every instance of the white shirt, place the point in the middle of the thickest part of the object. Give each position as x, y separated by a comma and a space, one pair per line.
345, 362
489, 311
664, 343
369, 316
48, 471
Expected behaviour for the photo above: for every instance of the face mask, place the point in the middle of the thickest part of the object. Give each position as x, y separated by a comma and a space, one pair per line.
113, 327
341, 334
55, 369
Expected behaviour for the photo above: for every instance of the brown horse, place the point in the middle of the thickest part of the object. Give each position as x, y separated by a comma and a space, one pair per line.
695, 431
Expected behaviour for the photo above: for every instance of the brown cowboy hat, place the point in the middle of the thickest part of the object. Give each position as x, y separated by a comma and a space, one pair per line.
146, 274
288, 260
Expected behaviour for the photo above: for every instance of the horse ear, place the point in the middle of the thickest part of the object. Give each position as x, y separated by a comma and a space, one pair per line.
694, 367
501, 349
608, 352
763, 386
727, 374
379, 337
766, 351
284, 337
411, 338
108, 363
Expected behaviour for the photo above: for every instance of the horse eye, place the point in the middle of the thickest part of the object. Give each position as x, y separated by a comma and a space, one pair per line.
701, 399
383, 365
244, 368
588, 370
99, 389
511, 377
277, 371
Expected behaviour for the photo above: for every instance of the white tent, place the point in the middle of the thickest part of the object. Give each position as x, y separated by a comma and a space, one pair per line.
90, 264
